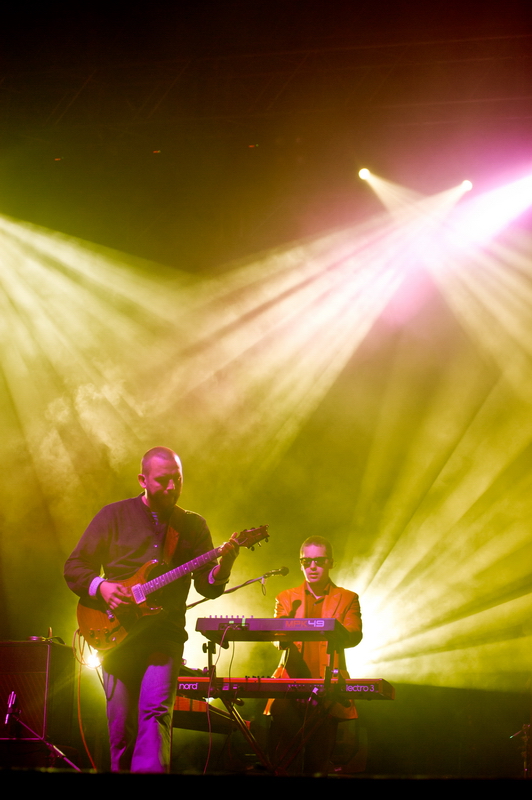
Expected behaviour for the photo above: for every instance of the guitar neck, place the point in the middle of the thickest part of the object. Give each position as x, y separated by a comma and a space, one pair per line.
169, 577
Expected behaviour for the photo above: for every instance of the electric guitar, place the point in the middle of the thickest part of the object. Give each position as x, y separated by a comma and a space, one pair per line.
104, 629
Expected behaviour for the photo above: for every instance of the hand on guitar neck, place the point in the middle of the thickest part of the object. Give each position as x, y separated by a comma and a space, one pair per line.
229, 553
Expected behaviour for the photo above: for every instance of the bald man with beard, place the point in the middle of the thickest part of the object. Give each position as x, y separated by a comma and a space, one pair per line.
140, 675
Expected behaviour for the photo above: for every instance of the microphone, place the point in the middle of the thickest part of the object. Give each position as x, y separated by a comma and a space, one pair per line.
272, 572
11, 707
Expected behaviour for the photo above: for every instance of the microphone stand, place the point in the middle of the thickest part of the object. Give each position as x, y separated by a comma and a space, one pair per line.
12, 721
261, 578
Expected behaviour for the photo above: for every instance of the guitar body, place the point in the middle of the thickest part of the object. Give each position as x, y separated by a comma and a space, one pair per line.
104, 629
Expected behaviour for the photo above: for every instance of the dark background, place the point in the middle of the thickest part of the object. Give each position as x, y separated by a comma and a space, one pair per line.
195, 133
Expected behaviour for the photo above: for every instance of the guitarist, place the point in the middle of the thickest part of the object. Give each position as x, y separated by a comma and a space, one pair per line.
140, 676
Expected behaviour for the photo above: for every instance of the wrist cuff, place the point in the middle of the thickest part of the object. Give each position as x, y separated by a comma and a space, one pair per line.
93, 588
214, 582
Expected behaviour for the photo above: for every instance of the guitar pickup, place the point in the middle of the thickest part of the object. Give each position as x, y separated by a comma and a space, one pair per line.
138, 594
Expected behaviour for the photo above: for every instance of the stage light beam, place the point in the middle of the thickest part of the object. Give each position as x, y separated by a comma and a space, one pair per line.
99, 358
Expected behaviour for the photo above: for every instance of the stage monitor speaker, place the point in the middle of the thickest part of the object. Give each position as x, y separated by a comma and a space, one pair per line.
42, 676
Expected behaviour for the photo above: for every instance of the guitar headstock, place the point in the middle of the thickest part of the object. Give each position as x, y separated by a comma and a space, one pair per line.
252, 536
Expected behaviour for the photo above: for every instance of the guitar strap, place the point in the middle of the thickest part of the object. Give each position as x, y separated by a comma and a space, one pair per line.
170, 541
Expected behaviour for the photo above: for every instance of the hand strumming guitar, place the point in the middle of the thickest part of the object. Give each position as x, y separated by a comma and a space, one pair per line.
114, 594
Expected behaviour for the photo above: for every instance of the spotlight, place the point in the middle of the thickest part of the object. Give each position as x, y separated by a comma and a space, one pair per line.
467, 186
364, 174
92, 661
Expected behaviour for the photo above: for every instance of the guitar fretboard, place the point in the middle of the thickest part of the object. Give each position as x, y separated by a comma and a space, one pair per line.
163, 580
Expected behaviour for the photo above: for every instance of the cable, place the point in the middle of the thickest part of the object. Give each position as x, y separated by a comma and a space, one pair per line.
78, 648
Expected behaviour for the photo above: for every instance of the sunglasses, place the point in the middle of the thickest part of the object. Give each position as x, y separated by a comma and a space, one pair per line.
320, 561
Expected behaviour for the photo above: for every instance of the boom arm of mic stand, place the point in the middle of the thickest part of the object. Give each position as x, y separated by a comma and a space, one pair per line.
261, 578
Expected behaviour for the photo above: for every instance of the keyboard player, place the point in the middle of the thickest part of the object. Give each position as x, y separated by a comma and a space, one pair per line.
317, 597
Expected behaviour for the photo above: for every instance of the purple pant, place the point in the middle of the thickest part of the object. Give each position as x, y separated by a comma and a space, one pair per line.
140, 689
